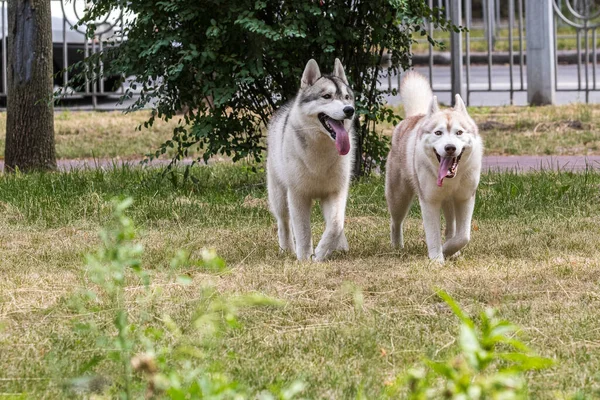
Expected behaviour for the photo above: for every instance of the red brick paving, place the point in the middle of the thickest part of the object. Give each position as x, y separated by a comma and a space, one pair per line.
493, 163
536, 163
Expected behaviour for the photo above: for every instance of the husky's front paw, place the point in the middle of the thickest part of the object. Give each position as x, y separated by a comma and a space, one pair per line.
305, 255
286, 248
438, 259
322, 255
285, 251
342, 244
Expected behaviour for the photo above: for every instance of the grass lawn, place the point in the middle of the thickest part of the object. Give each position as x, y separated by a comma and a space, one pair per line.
552, 130
567, 40
85, 134
534, 255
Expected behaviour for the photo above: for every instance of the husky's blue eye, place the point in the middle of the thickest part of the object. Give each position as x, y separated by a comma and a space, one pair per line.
459, 133
327, 96
438, 133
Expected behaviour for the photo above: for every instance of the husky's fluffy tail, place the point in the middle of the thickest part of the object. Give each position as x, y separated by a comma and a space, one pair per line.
416, 94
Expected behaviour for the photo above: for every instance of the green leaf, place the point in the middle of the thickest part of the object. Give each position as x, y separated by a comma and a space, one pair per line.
442, 369
525, 362
455, 308
184, 280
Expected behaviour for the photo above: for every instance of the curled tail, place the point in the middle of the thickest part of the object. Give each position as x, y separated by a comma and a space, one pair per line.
416, 94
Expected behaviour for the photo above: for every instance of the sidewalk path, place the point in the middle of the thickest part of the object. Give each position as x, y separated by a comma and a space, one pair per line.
493, 163
536, 163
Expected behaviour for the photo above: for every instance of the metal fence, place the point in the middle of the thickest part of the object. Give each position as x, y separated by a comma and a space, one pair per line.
582, 16
491, 56
71, 45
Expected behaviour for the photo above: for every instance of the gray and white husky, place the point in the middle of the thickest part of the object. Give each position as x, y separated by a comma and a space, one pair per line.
309, 157
437, 156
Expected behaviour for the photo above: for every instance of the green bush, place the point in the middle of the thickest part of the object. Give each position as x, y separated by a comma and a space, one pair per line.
143, 357
227, 65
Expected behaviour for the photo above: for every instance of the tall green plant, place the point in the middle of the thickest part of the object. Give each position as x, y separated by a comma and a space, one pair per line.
228, 64
161, 360
491, 363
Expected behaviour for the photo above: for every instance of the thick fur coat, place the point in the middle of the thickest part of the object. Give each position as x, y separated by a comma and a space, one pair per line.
435, 155
310, 157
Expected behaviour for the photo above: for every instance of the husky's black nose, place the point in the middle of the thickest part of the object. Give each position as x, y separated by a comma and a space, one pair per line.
349, 111
450, 149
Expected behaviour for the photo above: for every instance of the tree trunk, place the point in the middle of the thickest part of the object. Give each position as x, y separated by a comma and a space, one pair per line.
30, 113
357, 170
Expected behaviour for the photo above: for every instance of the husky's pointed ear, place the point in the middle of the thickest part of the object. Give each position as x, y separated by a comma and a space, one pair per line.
434, 106
311, 74
338, 70
459, 104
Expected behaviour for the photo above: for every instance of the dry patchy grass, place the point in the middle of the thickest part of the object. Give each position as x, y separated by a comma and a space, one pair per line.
550, 130
534, 256
83, 134
553, 130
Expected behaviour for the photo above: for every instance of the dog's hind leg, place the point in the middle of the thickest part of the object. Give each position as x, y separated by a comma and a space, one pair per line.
464, 212
399, 200
299, 207
279, 207
334, 208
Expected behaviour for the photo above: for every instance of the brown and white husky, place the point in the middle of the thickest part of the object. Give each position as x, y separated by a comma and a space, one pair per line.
435, 155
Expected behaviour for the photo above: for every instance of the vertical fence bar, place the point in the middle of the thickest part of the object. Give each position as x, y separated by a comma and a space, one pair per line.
4, 49
94, 83
121, 40
468, 5
484, 14
578, 59
595, 55
447, 9
86, 53
587, 63
521, 50
101, 65
555, 52
489, 11
430, 28
497, 25
65, 52
493, 22
511, 20
456, 51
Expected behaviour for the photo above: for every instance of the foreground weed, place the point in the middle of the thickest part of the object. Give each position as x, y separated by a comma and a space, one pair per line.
159, 359
491, 363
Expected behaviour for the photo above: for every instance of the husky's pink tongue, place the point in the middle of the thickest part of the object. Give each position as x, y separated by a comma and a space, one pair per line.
342, 140
445, 164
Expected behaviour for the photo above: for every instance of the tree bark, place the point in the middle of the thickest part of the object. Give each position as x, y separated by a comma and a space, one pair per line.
358, 149
30, 113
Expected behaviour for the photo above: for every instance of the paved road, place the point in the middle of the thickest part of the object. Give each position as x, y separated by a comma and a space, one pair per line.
479, 81
479, 84
493, 163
